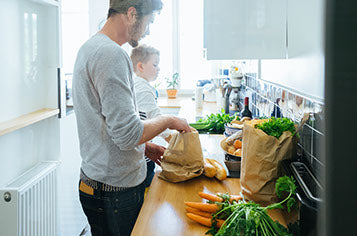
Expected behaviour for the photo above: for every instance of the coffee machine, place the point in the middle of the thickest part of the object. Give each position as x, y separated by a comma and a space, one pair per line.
231, 95
234, 106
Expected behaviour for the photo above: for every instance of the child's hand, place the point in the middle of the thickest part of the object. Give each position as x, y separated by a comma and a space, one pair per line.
154, 152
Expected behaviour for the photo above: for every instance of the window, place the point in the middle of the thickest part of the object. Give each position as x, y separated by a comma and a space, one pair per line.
178, 33
160, 37
193, 66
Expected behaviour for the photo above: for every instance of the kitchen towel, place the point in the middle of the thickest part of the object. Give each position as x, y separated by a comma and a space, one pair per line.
183, 158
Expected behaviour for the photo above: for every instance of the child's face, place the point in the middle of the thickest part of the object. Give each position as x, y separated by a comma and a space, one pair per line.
150, 69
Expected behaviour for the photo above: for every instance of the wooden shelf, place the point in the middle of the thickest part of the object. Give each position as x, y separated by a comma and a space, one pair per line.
26, 120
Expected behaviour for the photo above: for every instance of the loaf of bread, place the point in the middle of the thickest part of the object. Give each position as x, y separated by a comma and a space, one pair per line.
230, 140
238, 152
221, 173
209, 169
231, 149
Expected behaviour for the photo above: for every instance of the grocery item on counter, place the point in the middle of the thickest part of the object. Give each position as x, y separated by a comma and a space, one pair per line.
246, 112
263, 154
205, 221
183, 158
221, 173
237, 144
231, 149
228, 214
209, 169
252, 218
199, 97
230, 140
277, 126
254, 122
213, 168
230, 129
214, 123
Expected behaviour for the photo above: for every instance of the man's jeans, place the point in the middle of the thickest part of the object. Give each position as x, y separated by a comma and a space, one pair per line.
149, 173
113, 213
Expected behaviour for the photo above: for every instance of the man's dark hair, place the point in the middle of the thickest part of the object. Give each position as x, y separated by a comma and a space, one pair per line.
143, 7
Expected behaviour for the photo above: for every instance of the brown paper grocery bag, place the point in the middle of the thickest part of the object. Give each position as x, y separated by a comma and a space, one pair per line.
183, 158
261, 162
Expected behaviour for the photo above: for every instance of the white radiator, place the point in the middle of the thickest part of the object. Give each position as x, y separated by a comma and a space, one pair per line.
28, 205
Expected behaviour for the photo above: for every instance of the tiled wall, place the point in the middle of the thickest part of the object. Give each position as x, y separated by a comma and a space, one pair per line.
268, 99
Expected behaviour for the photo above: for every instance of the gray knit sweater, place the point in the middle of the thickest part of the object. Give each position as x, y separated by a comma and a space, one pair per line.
109, 127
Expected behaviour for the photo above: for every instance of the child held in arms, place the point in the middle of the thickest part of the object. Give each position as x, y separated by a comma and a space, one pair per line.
146, 67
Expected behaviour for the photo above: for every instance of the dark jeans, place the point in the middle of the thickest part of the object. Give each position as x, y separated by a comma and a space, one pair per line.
113, 213
149, 173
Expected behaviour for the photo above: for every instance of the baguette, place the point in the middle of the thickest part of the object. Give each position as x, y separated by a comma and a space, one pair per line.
209, 169
221, 173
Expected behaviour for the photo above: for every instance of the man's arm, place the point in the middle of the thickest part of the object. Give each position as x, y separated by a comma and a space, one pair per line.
157, 125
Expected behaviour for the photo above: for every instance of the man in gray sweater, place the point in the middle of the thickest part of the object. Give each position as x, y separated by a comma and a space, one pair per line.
112, 137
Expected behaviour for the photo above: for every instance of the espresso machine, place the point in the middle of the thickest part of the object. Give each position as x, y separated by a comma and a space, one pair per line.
234, 106
231, 95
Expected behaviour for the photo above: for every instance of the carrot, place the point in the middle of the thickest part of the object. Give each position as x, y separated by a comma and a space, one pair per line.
237, 144
198, 212
200, 219
210, 197
203, 220
233, 197
207, 207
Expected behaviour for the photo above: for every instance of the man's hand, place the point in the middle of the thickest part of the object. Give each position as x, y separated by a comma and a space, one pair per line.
154, 152
179, 124
157, 125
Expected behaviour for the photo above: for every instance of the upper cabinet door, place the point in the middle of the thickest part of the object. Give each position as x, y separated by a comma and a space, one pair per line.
305, 18
245, 29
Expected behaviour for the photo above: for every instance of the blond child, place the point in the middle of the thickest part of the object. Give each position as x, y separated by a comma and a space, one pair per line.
146, 67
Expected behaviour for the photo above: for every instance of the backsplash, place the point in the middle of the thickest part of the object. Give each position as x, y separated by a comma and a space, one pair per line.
268, 99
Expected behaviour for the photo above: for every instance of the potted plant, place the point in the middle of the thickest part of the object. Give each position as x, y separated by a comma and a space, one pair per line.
172, 85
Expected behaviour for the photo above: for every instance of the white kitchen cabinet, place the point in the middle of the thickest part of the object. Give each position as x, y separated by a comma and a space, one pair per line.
305, 33
29, 60
245, 29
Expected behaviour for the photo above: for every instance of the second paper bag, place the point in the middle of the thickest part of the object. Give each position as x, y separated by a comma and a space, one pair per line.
183, 158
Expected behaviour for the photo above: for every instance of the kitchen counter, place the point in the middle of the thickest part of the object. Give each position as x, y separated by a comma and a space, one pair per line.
188, 108
163, 212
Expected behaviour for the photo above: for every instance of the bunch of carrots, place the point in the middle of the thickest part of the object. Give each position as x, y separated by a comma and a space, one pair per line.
232, 215
203, 212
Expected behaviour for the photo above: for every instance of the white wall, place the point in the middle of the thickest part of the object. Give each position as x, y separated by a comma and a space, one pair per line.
304, 70
75, 30
98, 10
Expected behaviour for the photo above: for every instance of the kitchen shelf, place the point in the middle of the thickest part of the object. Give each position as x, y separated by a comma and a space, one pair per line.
26, 120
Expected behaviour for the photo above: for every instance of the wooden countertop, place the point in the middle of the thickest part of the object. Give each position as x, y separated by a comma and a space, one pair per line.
163, 212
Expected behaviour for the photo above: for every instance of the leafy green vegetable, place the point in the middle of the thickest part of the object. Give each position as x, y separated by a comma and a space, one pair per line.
283, 185
251, 219
214, 123
277, 126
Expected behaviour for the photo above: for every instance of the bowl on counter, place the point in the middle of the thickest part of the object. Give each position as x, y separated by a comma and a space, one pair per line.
230, 129
233, 168
232, 162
